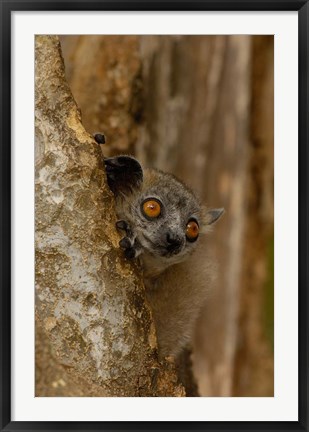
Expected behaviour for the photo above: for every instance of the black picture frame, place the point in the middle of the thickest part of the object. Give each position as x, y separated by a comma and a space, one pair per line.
6, 7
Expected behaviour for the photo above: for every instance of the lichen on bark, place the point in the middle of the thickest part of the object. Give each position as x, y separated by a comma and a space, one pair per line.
90, 302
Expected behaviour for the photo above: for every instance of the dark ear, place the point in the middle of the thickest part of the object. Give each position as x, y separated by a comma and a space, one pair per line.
209, 217
124, 174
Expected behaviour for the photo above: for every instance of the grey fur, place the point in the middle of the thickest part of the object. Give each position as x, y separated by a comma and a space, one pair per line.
176, 276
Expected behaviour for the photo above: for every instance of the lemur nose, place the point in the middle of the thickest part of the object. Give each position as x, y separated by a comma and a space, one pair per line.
173, 239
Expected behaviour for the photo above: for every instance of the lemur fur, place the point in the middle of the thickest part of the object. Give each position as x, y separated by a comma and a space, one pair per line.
164, 225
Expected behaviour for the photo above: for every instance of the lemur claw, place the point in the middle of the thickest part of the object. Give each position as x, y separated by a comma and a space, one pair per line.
125, 243
99, 138
128, 242
122, 225
130, 253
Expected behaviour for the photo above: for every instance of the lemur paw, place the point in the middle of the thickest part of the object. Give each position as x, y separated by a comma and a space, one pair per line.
124, 226
128, 243
99, 138
130, 252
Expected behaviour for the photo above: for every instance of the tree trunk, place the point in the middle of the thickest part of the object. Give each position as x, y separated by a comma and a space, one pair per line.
205, 90
90, 302
200, 107
209, 120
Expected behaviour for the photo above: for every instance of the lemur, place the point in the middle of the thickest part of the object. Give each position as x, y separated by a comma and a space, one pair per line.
163, 222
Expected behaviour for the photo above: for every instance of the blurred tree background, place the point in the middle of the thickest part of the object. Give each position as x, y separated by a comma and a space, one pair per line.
202, 108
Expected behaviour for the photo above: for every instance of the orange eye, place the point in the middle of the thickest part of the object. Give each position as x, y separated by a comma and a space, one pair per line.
192, 230
151, 208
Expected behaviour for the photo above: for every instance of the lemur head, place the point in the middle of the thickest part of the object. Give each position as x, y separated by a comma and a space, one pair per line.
164, 214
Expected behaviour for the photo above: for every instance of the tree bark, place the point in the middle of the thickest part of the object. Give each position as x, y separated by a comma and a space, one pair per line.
205, 92
202, 108
209, 120
90, 302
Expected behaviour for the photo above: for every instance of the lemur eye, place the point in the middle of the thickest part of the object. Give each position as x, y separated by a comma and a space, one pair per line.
151, 208
192, 230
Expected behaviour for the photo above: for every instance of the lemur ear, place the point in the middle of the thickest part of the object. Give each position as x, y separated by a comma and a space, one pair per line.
211, 216
124, 174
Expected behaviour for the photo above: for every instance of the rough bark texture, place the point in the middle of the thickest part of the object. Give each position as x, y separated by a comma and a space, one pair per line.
206, 95
108, 86
202, 108
90, 302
